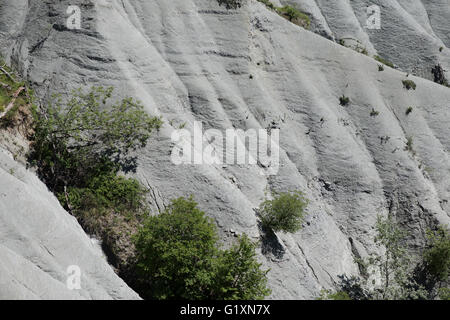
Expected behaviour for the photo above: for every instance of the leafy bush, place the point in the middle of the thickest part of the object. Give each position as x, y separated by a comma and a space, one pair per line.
107, 192
79, 148
178, 257
268, 4
409, 145
380, 68
394, 265
344, 101
409, 110
239, 275
294, 15
437, 254
230, 4
409, 84
384, 61
374, 113
14, 92
329, 295
444, 293
284, 213
87, 136
402, 276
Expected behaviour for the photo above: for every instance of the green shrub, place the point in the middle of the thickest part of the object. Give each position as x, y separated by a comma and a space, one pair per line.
268, 4
409, 84
409, 110
296, 16
384, 61
437, 254
107, 192
178, 257
409, 145
441, 49
374, 113
284, 213
87, 136
329, 295
239, 275
230, 4
344, 101
402, 276
380, 68
444, 293
394, 265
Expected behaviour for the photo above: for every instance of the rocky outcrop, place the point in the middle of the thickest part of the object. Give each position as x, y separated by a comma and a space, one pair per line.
192, 60
40, 244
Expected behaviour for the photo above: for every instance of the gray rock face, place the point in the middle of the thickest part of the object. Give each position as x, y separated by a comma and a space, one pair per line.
39, 242
191, 60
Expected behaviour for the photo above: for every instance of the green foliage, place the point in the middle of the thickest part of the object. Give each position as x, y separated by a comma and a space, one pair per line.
87, 136
444, 293
380, 67
384, 61
294, 15
178, 257
409, 84
268, 4
8, 87
409, 145
230, 4
107, 192
401, 276
176, 251
329, 295
374, 113
437, 254
239, 275
409, 110
394, 266
441, 49
344, 101
284, 213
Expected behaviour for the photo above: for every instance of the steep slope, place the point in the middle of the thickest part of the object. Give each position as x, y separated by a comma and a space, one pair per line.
193, 60
411, 34
39, 241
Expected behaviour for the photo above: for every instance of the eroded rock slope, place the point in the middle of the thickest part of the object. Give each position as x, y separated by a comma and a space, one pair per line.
191, 60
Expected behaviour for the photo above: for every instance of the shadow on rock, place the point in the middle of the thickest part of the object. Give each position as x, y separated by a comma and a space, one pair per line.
270, 245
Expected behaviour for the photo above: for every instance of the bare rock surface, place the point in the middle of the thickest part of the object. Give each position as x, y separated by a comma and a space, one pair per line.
191, 60
39, 242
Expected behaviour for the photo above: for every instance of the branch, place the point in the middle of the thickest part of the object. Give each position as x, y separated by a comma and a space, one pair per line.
4, 85
11, 104
7, 74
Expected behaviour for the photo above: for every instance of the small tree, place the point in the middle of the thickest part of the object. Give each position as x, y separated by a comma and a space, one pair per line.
409, 84
437, 254
176, 251
284, 213
230, 4
178, 257
77, 139
394, 266
344, 101
239, 275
